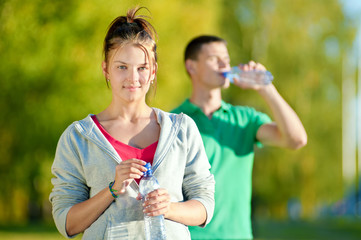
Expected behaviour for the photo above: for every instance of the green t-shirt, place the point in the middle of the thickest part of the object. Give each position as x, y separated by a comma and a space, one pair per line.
229, 138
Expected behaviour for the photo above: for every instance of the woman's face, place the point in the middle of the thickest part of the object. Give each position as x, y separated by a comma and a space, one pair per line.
129, 72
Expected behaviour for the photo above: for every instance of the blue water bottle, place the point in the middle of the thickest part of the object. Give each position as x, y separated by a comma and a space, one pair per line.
253, 77
154, 226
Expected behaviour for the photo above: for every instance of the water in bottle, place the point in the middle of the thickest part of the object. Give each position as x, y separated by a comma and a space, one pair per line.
154, 226
252, 77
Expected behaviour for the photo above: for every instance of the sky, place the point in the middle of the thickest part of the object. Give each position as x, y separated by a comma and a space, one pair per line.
352, 8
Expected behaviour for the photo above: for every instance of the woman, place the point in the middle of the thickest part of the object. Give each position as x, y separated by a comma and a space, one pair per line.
100, 159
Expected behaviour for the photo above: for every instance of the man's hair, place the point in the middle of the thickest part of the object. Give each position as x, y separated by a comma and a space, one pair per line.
194, 46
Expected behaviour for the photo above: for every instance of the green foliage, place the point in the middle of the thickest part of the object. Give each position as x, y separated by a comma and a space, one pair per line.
51, 53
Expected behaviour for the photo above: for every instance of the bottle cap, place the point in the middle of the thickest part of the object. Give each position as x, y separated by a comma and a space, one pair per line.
225, 74
229, 76
148, 166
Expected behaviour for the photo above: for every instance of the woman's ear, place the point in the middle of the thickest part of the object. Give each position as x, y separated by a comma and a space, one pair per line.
105, 70
154, 71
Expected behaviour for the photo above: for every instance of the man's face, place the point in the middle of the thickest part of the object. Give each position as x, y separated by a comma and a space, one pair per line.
212, 60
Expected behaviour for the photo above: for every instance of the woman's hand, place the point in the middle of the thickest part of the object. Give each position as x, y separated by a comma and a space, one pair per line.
125, 172
157, 203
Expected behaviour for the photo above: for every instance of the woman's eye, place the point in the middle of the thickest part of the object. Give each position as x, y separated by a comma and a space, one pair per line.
122, 67
142, 68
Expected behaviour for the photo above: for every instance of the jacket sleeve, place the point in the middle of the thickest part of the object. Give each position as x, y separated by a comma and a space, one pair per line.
69, 183
198, 182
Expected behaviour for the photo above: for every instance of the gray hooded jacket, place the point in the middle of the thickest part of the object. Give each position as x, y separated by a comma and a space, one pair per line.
85, 164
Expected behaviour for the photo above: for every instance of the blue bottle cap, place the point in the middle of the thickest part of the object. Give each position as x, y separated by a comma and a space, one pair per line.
224, 74
149, 172
148, 165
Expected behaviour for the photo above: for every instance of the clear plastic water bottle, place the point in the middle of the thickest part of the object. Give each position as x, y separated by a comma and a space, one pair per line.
252, 77
154, 226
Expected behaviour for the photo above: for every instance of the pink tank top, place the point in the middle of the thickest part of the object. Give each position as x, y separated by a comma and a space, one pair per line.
127, 152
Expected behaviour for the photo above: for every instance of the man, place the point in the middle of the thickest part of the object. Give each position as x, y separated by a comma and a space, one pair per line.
230, 132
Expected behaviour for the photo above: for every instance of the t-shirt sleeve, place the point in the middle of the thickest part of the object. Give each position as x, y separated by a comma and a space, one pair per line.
258, 119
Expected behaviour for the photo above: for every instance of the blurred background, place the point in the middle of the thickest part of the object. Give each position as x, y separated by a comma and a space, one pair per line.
50, 76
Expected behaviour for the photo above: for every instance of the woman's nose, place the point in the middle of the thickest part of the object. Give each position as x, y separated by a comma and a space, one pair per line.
133, 75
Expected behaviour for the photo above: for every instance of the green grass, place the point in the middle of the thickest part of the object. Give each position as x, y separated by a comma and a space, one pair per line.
327, 229
32, 231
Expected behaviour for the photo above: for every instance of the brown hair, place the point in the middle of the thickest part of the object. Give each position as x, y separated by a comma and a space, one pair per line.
133, 29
